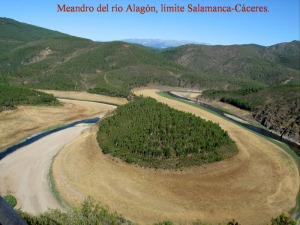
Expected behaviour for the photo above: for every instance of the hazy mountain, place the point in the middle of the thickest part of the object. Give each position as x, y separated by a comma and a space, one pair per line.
158, 43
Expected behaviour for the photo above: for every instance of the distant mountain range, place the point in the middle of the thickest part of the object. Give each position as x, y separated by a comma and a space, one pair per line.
158, 43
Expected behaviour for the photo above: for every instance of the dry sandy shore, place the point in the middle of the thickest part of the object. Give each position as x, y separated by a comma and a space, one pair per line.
259, 183
86, 96
236, 118
28, 120
24, 172
217, 104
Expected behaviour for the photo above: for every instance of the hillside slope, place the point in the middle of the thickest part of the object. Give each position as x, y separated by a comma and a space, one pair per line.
288, 54
40, 58
269, 65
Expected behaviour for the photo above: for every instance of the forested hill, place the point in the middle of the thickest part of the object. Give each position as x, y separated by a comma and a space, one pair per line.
13, 31
154, 135
272, 65
35, 57
11, 96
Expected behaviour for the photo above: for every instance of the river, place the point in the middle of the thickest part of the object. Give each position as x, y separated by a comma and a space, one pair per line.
34, 138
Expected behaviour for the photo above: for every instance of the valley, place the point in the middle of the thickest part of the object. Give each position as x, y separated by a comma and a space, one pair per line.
127, 188
151, 157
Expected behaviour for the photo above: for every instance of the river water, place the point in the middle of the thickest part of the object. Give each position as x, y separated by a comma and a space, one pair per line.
43, 134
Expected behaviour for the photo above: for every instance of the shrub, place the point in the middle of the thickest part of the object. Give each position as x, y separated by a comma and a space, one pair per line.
282, 219
11, 200
166, 222
89, 212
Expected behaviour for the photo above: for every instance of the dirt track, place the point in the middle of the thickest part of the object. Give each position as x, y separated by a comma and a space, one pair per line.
259, 183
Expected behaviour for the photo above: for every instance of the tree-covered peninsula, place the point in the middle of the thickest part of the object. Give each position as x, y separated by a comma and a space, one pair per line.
152, 134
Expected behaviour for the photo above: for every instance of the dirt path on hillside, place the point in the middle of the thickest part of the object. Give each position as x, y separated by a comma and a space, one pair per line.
28, 120
259, 183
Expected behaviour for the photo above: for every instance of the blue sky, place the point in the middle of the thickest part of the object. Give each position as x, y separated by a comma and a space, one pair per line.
280, 24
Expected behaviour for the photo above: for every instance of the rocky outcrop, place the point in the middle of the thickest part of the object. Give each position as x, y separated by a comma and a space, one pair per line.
283, 119
38, 57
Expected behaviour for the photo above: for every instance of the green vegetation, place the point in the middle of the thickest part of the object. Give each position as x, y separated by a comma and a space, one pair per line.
53, 187
89, 213
154, 135
16, 31
276, 108
114, 92
11, 96
240, 103
166, 222
254, 98
253, 64
288, 54
39, 58
282, 219
11, 200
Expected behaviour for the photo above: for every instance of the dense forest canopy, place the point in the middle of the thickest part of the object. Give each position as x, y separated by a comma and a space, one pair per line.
153, 134
11, 96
